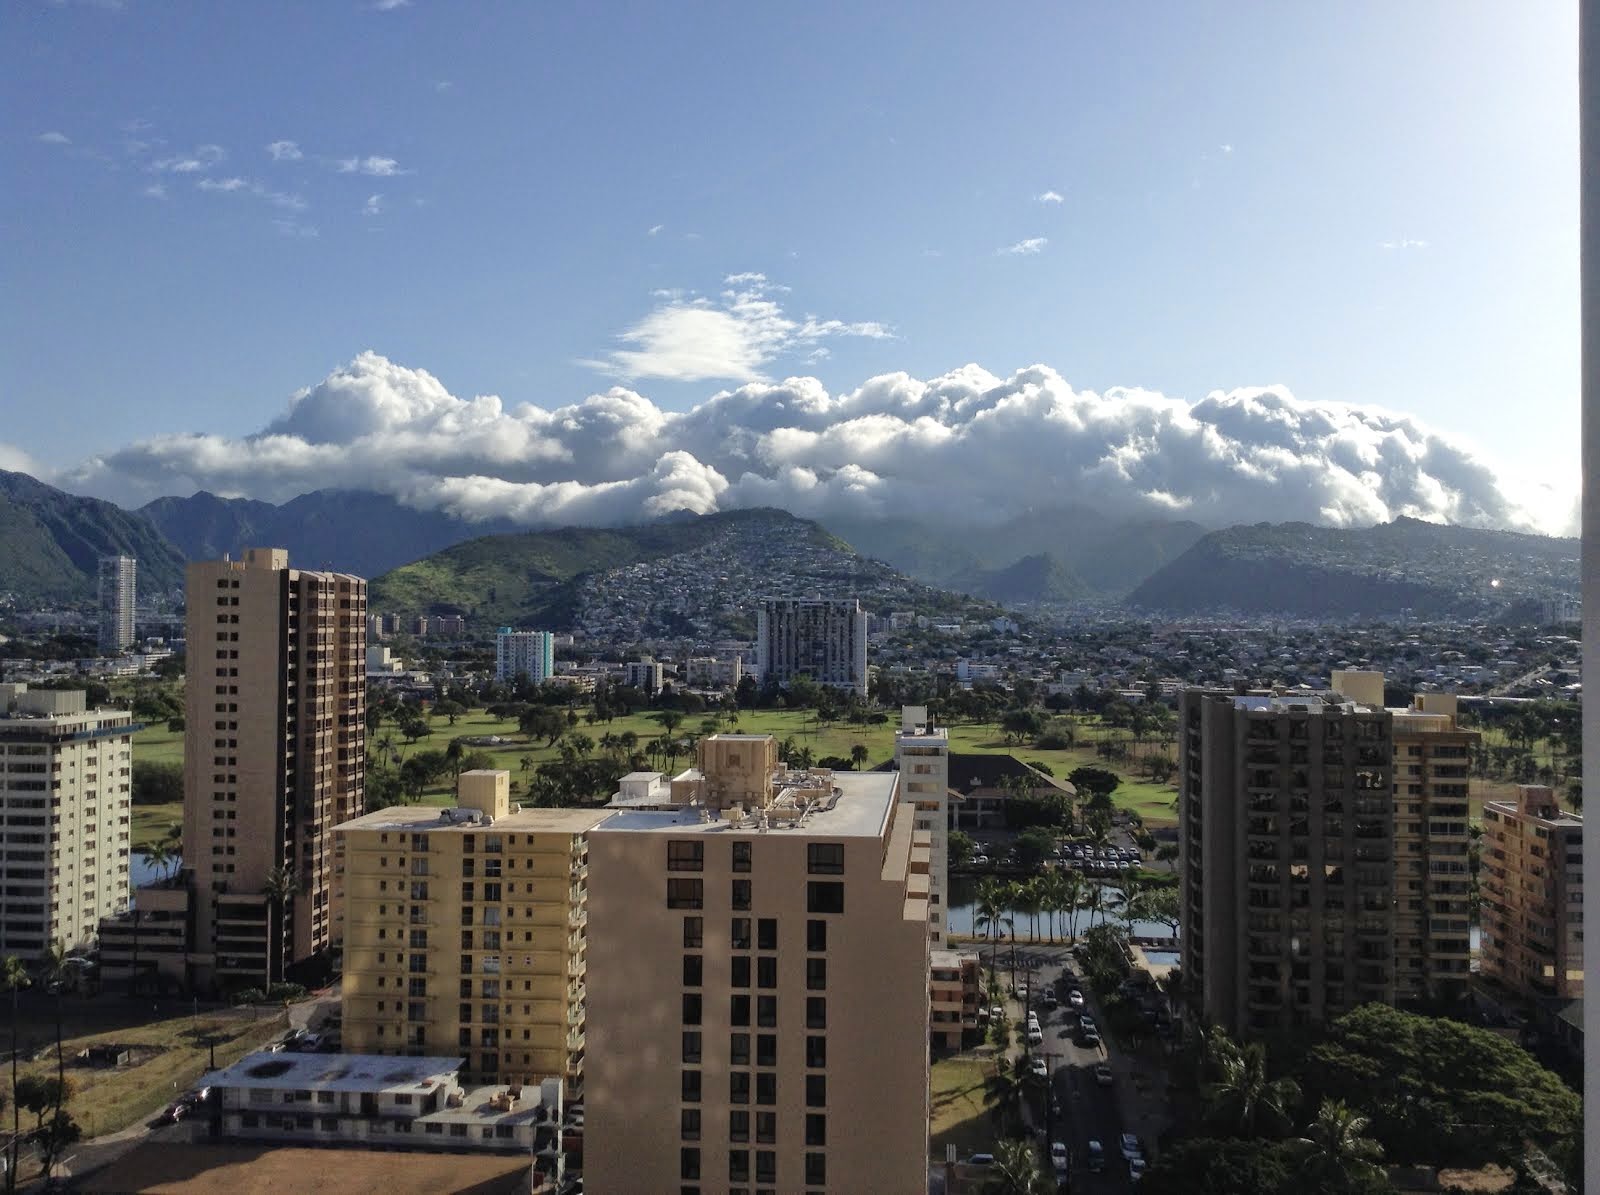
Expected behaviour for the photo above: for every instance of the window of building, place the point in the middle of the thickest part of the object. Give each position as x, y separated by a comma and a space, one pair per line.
767, 933
816, 1051
825, 858
816, 1091
741, 856
816, 974
741, 933
693, 969
738, 1087
816, 1129
767, 1011
689, 1163
691, 1008
816, 1012
694, 933
686, 894
767, 1049
686, 856
766, 1166
689, 1124
691, 1046
816, 1169
738, 1165
691, 1087
741, 971
824, 897
767, 971
816, 935
738, 1010
739, 1049
738, 1126
741, 894
766, 1087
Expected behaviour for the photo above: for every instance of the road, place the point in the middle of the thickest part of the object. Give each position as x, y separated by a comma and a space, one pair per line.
1087, 1109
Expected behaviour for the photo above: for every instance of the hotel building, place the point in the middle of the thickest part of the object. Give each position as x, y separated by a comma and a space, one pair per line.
824, 639
1532, 895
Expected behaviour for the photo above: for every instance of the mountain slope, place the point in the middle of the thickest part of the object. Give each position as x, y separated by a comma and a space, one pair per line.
53, 542
1109, 556
1406, 566
1037, 578
354, 531
684, 576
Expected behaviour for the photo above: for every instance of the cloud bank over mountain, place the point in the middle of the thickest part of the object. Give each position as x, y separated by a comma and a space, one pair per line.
967, 446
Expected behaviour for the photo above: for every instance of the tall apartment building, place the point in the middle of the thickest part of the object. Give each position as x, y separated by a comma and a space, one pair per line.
530, 654
65, 776
274, 756
1433, 917
1531, 905
824, 639
922, 756
758, 1001
1286, 835
118, 593
711, 672
464, 933
645, 675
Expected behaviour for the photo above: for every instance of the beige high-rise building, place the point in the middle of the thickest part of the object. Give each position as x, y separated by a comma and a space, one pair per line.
65, 779
1532, 895
922, 755
463, 933
821, 638
1287, 855
118, 594
274, 756
758, 969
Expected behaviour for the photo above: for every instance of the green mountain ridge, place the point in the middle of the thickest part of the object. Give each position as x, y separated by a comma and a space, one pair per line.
1403, 567
1037, 578
53, 542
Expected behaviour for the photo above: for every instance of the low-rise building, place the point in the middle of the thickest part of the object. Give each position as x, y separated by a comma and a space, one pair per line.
416, 1102
955, 982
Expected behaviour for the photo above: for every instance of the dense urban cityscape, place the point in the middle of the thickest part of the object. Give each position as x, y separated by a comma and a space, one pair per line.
1105, 901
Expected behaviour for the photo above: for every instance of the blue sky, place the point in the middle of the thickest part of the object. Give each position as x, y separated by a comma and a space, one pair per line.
1363, 203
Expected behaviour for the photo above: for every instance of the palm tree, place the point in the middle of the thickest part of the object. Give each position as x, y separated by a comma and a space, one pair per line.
1028, 899
13, 977
1072, 892
1242, 1098
279, 888
859, 755
1336, 1154
1016, 1171
174, 841
992, 914
157, 855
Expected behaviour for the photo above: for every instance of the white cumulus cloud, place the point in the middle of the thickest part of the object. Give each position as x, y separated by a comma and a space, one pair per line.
376, 166
284, 151
1049, 197
732, 337
55, 138
1025, 248
967, 446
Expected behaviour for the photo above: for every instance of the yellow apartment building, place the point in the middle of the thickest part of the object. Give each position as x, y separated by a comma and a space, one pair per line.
464, 933
1532, 895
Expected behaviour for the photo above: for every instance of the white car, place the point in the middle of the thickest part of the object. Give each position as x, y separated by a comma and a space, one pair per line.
1035, 1036
1040, 1069
1075, 998
1058, 1159
1132, 1147
1135, 1169
1102, 1075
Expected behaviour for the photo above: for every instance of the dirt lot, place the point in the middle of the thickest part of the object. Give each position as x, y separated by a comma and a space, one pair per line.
243, 1169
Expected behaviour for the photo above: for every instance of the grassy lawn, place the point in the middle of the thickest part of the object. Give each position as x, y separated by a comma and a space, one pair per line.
169, 1056
960, 1112
150, 822
1152, 802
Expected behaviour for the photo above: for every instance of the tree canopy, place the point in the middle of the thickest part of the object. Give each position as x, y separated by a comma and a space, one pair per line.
1439, 1091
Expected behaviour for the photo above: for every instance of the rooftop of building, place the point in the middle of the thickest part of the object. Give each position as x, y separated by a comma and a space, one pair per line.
339, 1072
859, 808
416, 819
970, 770
945, 960
1303, 702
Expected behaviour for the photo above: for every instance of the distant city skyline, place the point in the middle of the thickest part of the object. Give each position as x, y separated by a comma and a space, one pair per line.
612, 219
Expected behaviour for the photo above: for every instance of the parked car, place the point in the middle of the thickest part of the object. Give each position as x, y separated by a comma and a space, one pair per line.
1050, 1001
1075, 998
1035, 1036
1091, 1039
1131, 1146
1135, 1169
1058, 1159
1102, 1074
1095, 1154
981, 1160
1086, 1023
996, 1012
1040, 1069
175, 1112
